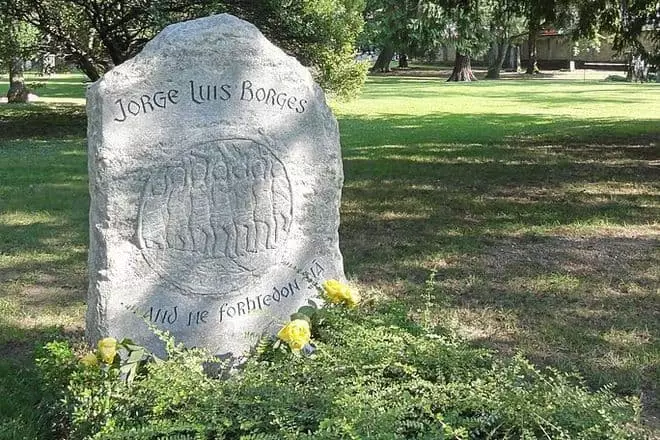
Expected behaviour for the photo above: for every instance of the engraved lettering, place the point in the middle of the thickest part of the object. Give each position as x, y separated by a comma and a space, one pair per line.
241, 308
283, 103
291, 103
225, 95
260, 94
270, 97
162, 315
195, 99
146, 101
123, 112
250, 304
133, 108
222, 311
247, 87
160, 100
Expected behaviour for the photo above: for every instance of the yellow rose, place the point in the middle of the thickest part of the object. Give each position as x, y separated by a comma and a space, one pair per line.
338, 292
89, 360
296, 333
107, 350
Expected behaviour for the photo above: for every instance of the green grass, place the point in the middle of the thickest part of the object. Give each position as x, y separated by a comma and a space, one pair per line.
525, 212
61, 87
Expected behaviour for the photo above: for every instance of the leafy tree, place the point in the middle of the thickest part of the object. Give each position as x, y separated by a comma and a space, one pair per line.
627, 20
506, 24
431, 24
389, 26
470, 36
320, 33
18, 41
98, 34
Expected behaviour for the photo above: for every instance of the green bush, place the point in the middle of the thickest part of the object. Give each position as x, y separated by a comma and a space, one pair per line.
373, 375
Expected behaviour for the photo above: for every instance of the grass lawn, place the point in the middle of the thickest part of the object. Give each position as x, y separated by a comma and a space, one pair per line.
527, 213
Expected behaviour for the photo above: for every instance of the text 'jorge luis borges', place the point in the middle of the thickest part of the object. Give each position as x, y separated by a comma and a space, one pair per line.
197, 93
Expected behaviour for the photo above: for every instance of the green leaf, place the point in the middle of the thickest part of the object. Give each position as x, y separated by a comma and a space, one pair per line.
299, 315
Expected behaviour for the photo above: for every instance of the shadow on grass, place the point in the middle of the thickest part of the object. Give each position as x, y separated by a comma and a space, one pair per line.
514, 215
43, 224
41, 121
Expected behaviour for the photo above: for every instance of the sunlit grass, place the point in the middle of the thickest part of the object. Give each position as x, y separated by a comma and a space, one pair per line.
55, 89
536, 204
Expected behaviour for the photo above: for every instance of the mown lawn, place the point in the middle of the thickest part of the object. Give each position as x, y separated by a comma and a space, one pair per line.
526, 213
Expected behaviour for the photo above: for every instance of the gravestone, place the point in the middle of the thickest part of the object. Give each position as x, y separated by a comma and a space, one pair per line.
215, 179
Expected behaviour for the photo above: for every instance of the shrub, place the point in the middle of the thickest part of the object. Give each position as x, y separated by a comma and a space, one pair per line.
372, 375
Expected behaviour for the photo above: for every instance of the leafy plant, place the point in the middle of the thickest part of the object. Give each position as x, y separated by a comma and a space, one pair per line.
374, 374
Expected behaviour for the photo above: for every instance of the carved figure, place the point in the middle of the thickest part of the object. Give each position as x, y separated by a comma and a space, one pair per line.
242, 206
154, 214
281, 200
200, 214
178, 209
222, 220
263, 203
226, 203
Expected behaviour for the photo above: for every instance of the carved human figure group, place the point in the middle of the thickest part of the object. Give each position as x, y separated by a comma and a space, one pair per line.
229, 200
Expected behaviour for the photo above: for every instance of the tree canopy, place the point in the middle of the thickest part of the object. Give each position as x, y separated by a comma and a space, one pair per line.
98, 34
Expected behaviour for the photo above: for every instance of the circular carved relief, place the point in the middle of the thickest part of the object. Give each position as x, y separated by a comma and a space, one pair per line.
215, 215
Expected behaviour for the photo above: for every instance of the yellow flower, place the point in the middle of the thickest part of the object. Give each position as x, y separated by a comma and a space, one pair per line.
338, 292
107, 350
296, 333
89, 360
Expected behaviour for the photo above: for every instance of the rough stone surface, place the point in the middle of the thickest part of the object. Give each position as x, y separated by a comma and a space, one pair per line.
215, 179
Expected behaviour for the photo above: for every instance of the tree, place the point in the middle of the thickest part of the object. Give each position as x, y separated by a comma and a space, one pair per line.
506, 24
627, 21
99, 34
18, 41
320, 33
388, 26
470, 35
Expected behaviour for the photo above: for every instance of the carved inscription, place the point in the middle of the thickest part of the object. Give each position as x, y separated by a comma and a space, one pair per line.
246, 92
171, 316
214, 215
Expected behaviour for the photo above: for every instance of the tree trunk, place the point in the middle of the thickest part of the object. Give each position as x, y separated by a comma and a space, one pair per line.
516, 58
18, 92
382, 63
462, 69
496, 59
403, 61
86, 64
532, 67
445, 53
